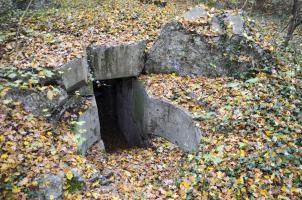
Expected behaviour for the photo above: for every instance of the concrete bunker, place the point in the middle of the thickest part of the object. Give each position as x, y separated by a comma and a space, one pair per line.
128, 116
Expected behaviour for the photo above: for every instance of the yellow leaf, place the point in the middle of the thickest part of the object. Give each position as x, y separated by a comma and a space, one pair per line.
4, 156
241, 180
127, 173
296, 190
34, 183
184, 184
51, 197
268, 133
263, 192
40, 158
41, 73
16, 189
115, 197
11, 161
95, 195
69, 175
49, 133
242, 153
2, 138
4, 167
284, 189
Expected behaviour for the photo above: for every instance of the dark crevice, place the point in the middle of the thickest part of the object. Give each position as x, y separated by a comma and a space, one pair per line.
106, 98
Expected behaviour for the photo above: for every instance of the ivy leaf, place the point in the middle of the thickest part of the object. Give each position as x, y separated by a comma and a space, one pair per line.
252, 80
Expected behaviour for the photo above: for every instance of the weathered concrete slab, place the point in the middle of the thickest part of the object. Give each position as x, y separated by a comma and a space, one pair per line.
172, 123
75, 74
116, 61
141, 114
87, 129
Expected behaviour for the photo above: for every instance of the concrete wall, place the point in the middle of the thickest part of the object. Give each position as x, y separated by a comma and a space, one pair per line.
88, 132
140, 114
167, 120
130, 111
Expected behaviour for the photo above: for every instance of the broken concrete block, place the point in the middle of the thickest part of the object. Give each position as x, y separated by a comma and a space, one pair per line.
116, 61
75, 74
87, 129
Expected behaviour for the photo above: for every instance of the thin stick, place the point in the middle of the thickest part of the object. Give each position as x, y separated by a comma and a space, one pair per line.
20, 23
244, 5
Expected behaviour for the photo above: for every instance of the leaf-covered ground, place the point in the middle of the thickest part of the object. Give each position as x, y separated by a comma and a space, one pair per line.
30, 147
251, 147
142, 173
54, 36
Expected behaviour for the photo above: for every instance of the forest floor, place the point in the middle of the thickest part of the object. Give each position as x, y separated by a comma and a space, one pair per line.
252, 144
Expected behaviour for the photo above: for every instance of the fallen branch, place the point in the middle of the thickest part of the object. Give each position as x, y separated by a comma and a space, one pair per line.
20, 23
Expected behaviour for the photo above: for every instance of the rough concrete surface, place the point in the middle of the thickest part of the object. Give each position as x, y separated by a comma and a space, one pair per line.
75, 74
116, 61
87, 130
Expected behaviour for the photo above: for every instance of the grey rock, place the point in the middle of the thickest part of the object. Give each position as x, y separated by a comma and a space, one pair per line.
87, 129
75, 74
179, 51
37, 102
237, 23
95, 176
195, 14
184, 52
51, 186
116, 61
216, 27
107, 173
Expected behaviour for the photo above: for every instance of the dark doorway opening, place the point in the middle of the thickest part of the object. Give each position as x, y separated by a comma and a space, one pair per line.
106, 98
